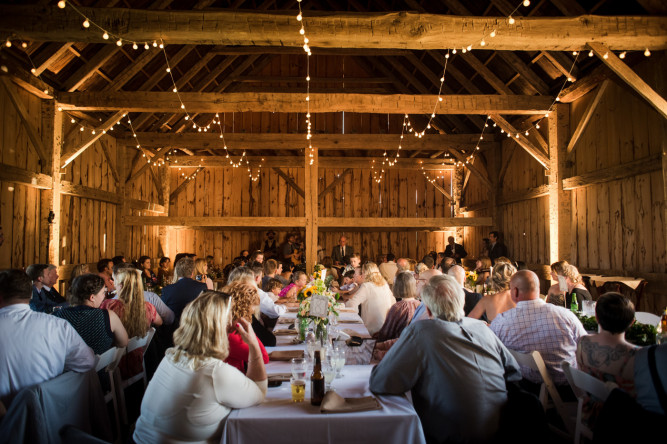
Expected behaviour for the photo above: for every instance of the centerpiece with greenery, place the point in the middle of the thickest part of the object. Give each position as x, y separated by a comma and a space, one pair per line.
317, 286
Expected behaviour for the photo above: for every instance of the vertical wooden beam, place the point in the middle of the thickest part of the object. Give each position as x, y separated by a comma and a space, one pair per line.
52, 126
560, 201
457, 191
122, 210
163, 233
310, 197
495, 192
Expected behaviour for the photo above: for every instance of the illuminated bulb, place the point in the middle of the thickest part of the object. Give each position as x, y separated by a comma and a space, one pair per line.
526, 3
570, 79
182, 106
119, 42
482, 43
447, 55
537, 125
24, 45
154, 44
574, 53
590, 53
168, 70
60, 108
305, 47
308, 79
606, 55
146, 46
517, 135
442, 79
135, 46
439, 99
454, 51
305, 40
502, 131
86, 23
469, 48
493, 33
302, 31
647, 53
299, 17
161, 45
486, 125
464, 50
61, 4
8, 43
622, 55
526, 133
174, 90
73, 121
307, 98
557, 99
511, 20
81, 129
105, 36
33, 70
93, 131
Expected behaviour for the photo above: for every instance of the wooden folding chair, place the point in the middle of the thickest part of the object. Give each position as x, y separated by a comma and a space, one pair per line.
549, 396
121, 384
108, 361
582, 384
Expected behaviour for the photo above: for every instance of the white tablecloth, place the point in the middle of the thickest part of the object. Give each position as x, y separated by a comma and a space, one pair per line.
278, 420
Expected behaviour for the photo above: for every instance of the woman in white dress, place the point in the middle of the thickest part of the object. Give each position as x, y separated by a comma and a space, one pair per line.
374, 296
193, 390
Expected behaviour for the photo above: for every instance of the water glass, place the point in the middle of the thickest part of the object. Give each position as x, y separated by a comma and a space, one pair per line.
299, 368
311, 344
339, 360
329, 371
589, 308
298, 389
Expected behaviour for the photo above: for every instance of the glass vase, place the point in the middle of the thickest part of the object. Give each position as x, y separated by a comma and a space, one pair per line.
302, 327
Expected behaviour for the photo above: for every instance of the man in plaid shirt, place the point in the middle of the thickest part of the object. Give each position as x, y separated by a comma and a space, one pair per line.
535, 325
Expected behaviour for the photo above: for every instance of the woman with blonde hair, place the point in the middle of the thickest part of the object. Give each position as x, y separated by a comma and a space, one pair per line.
136, 314
193, 389
555, 295
575, 288
500, 301
374, 297
201, 273
246, 302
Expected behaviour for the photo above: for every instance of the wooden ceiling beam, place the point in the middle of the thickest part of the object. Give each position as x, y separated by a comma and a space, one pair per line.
139, 101
302, 80
297, 162
396, 30
53, 52
282, 141
287, 50
522, 140
588, 113
71, 154
87, 70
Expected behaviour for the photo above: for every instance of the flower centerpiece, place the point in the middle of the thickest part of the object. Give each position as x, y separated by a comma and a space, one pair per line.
471, 279
320, 319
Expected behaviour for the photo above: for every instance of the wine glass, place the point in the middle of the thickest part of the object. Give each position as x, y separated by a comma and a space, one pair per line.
299, 368
329, 370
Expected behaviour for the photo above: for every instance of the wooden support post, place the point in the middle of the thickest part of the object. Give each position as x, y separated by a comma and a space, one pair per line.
52, 133
163, 233
457, 191
122, 210
495, 192
310, 197
560, 201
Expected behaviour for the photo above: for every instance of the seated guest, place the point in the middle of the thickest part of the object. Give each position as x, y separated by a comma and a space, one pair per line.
471, 298
100, 329
555, 295
349, 283
483, 270
184, 290
402, 265
118, 260
193, 390
374, 297
607, 355
105, 270
535, 325
327, 263
135, 313
164, 272
273, 269
388, 268
252, 276
575, 287
500, 301
645, 385
148, 276
399, 315
446, 264
430, 271
455, 367
273, 287
34, 347
245, 300
299, 282
45, 298
257, 256
354, 262
201, 273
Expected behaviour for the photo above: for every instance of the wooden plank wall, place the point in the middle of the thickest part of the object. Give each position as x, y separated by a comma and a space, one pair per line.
230, 192
21, 217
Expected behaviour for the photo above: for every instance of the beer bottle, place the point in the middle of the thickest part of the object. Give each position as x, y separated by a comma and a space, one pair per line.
317, 381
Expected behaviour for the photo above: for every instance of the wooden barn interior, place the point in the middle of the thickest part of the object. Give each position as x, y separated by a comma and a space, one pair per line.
169, 126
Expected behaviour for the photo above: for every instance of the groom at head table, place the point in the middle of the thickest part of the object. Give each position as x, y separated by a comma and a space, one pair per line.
45, 298
341, 252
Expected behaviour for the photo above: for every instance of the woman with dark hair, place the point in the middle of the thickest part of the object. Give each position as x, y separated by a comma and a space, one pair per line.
100, 329
147, 276
165, 274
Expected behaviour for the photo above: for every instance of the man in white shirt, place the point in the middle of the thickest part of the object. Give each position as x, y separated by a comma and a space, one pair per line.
266, 304
388, 269
34, 347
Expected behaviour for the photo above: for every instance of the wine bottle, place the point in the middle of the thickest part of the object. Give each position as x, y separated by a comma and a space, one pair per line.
317, 381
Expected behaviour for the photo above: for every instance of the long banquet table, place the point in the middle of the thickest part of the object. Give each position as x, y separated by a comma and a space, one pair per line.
278, 420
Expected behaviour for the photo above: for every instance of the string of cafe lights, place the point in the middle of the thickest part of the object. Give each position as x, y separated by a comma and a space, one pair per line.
306, 48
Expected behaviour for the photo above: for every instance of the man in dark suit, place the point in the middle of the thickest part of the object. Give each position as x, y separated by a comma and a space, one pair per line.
45, 298
458, 273
341, 252
177, 296
455, 250
498, 248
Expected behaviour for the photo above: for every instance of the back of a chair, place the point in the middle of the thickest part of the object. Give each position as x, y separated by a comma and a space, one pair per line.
137, 342
109, 359
647, 318
582, 382
534, 361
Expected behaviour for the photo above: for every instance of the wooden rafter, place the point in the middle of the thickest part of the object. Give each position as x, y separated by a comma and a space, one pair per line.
293, 162
76, 151
139, 63
158, 155
54, 51
334, 183
588, 113
506, 164
86, 71
630, 77
319, 103
179, 189
290, 181
522, 140
25, 119
370, 30
107, 155
630, 169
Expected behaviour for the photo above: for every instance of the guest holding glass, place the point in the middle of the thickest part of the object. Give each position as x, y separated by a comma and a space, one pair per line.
193, 389
575, 288
201, 273
100, 329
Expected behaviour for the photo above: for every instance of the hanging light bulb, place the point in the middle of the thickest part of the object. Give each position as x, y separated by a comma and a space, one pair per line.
622, 55
526, 3
61, 4
119, 42
511, 20
86, 23
647, 53
135, 46
146, 46
590, 53
493, 33
299, 17
482, 43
